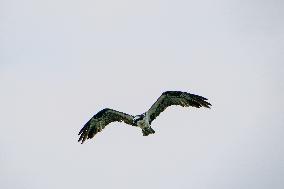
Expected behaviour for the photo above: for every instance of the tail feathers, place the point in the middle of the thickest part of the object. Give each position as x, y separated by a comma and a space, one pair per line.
148, 130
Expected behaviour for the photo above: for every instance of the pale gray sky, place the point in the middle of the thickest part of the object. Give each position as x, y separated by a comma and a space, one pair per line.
62, 61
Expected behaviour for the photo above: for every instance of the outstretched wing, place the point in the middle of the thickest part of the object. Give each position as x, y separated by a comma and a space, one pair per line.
170, 98
98, 122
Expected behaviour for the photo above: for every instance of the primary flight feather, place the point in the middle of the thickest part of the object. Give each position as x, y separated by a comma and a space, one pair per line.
104, 117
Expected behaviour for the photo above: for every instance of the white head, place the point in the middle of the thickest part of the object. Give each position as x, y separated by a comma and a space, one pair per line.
137, 118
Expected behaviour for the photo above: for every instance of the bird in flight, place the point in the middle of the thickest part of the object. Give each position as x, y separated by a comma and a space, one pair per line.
106, 116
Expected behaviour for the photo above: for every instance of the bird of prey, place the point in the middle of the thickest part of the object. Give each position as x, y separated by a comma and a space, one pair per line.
104, 117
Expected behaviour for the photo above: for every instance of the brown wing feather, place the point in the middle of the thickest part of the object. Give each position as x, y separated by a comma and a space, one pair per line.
179, 98
98, 122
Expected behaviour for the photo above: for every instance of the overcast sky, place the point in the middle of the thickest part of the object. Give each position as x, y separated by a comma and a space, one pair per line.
62, 61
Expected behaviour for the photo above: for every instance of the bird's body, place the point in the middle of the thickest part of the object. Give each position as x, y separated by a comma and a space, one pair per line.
104, 117
143, 121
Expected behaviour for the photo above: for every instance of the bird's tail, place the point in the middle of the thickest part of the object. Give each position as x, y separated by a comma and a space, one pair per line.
148, 130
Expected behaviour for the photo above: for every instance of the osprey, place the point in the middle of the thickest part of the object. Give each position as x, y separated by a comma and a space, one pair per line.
104, 117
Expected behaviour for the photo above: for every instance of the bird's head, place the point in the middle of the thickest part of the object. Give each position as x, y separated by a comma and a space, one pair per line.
138, 118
